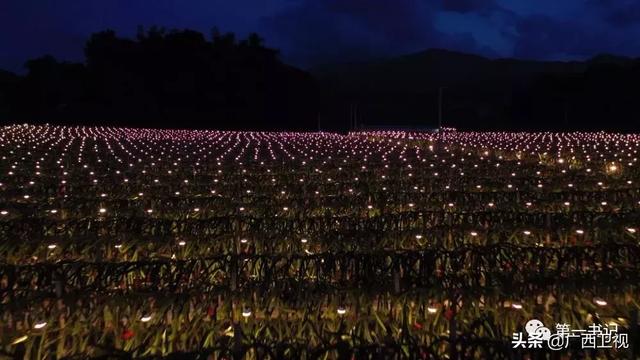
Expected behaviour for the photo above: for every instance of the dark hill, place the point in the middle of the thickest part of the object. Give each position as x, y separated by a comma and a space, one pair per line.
482, 93
8, 84
183, 79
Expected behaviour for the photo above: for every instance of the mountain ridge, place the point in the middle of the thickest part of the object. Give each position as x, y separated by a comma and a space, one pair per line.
484, 93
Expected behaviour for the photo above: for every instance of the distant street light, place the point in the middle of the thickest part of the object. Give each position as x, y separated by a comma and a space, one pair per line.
440, 90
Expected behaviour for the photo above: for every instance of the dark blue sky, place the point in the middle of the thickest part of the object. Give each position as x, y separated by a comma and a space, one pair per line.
310, 32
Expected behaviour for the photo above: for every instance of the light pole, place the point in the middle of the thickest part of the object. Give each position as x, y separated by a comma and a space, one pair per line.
440, 90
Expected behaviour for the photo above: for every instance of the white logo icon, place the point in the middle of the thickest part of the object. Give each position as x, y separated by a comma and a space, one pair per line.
537, 330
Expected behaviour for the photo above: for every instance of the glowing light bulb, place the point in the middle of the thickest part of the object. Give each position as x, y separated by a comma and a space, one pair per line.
600, 302
19, 340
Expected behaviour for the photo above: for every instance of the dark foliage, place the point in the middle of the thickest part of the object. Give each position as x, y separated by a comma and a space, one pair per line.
484, 94
180, 79
168, 79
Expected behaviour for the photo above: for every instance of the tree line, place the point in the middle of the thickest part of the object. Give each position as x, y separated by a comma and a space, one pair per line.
184, 79
175, 79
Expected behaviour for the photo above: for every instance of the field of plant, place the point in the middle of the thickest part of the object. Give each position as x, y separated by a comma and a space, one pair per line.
122, 242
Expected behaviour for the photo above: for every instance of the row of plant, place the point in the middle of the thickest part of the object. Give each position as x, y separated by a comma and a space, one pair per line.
473, 268
160, 324
151, 243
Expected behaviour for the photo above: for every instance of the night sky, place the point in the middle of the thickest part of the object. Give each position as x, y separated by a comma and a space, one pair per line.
311, 32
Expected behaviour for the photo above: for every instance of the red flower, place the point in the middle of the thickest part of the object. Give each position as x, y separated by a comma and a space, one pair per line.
417, 325
448, 314
127, 334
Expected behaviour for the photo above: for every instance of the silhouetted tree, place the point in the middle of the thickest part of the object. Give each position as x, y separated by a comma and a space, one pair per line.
170, 78
179, 78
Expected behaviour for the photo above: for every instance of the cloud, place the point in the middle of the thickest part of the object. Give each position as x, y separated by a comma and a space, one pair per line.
310, 32
315, 32
467, 6
544, 37
624, 15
